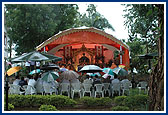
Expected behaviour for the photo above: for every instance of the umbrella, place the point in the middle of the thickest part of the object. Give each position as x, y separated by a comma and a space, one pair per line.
13, 70
49, 76
35, 71
94, 74
108, 71
121, 66
50, 67
69, 75
90, 69
120, 71
106, 75
36, 56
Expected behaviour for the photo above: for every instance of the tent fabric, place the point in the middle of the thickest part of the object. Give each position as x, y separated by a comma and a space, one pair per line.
88, 36
85, 35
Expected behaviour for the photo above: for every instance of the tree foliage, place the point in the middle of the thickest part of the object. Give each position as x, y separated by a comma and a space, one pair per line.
142, 22
147, 21
31, 24
92, 18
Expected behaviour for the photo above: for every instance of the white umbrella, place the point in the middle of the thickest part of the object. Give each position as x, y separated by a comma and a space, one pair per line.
91, 69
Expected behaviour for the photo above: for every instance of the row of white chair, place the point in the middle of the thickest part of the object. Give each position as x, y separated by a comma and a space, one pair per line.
79, 88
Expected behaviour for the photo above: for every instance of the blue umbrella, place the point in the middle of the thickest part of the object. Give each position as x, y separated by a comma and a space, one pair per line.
35, 71
108, 71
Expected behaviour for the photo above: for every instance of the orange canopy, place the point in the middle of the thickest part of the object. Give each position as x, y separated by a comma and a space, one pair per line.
88, 36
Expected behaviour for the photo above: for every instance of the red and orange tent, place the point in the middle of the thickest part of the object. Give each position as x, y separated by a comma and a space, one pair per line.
85, 39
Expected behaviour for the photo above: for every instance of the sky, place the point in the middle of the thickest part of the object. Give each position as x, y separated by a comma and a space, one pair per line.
113, 13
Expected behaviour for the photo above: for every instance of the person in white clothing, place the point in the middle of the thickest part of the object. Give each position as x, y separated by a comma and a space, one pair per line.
16, 81
115, 80
87, 80
39, 85
32, 82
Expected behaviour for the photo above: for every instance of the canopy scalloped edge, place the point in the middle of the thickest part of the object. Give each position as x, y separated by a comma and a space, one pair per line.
72, 30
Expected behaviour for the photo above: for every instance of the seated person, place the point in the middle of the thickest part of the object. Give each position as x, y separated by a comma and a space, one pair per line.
87, 80
96, 80
22, 82
16, 81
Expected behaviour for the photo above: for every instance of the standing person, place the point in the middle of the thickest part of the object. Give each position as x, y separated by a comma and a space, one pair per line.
16, 81
27, 64
32, 64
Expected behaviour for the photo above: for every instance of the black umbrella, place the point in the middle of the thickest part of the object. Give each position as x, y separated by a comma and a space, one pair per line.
50, 67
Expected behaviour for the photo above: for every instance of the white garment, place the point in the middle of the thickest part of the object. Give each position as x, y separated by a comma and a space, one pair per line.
39, 84
27, 64
32, 82
87, 81
37, 64
16, 82
32, 63
124, 80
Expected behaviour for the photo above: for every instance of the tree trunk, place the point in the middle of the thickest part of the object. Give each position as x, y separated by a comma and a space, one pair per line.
156, 82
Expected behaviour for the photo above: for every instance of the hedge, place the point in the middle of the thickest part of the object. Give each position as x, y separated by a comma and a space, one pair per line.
38, 100
92, 102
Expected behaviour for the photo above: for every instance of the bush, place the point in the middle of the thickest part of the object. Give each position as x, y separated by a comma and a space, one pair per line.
120, 108
38, 100
47, 108
10, 106
120, 100
136, 102
90, 101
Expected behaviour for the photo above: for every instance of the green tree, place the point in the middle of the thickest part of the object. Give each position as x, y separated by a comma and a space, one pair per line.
92, 18
31, 24
146, 22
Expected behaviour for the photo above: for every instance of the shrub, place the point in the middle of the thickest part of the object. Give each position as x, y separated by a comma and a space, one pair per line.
120, 100
90, 101
136, 102
37, 100
120, 108
47, 108
10, 106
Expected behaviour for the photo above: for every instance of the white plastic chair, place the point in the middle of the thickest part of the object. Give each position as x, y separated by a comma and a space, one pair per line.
87, 89
107, 88
142, 85
14, 89
99, 89
40, 89
115, 87
65, 87
30, 90
47, 89
126, 85
76, 87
